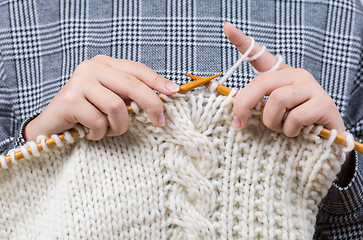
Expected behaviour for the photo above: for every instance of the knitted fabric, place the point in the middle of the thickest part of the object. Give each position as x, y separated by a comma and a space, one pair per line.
194, 178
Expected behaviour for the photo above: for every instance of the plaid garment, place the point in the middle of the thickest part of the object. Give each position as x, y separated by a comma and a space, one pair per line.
42, 42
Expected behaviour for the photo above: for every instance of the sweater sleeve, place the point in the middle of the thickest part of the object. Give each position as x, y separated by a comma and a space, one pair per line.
11, 129
341, 211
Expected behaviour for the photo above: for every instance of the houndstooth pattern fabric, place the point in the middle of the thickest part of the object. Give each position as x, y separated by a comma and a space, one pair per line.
42, 42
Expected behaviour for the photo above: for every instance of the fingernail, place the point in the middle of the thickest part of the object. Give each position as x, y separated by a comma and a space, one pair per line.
172, 86
161, 119
236, 123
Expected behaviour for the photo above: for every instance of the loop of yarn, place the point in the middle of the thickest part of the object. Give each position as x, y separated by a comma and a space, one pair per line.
135, 108
350, 142
332, 136
41, 139
68, 137
274, 67
257, 55
25, 152
213, 86
81, 130
12, 156
3, 162
307, 129
318, 129
34, 148
57, 140
232, 92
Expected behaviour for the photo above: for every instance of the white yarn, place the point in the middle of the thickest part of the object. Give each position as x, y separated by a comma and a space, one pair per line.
81, 130
232, 92
332, 136
42, 139
33, 148
165, 97
12, 156
213, 86
194, 178
240, 60
3, 162
135, 108
68, 137
57, 140
318, 129
350, 142
257, 55
25, 152
274, 67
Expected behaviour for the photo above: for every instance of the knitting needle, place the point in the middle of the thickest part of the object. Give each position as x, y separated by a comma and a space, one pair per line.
325, 133
50, 141
185, 88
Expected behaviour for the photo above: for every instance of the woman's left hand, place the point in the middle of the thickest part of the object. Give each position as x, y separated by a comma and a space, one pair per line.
295, 99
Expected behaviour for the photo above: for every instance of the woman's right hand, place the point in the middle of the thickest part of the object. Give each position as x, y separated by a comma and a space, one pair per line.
97, 95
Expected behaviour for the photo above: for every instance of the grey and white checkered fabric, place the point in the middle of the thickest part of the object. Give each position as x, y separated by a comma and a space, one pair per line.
42, 42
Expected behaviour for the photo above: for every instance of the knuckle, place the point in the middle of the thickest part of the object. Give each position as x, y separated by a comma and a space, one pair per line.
84, 67
85, 64
304, 72
130, 63
116, 107
99, 57
296, 118
69, 99
279, 97
259, 78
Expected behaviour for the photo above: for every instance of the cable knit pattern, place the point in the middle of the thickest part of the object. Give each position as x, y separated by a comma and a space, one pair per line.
194, 178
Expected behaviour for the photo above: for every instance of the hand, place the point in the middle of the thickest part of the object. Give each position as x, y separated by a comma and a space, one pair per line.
97, 96
295, 98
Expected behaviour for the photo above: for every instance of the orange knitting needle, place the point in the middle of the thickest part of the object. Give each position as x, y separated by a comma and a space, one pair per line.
325, 133
50, 141
185, 88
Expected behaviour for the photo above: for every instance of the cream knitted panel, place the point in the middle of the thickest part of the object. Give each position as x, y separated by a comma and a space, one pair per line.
195, 178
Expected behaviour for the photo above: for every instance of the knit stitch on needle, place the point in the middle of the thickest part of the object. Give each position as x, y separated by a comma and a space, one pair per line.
194, 178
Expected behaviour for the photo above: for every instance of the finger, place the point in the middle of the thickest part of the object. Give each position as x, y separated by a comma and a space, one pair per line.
315, 111
90, 117
253, 92
262, 64
125, 84
281, 101
141, 72
112, 105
